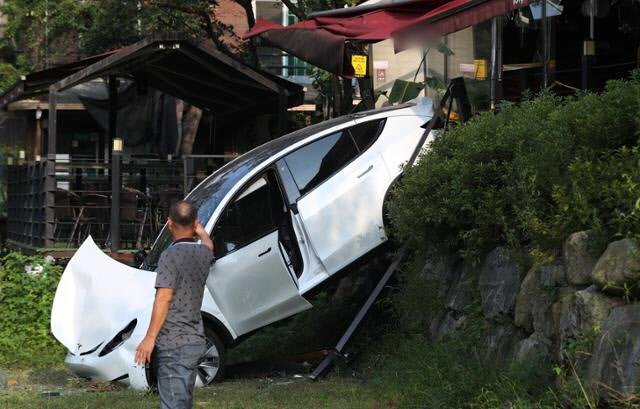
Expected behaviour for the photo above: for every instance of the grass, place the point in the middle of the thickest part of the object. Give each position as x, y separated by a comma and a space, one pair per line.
394, 367
400, 371
253, 393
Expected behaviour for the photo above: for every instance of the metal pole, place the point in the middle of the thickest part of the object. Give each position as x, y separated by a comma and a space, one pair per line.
445, 40
425, 69
545, 46
589, 50
592, 20
496, 61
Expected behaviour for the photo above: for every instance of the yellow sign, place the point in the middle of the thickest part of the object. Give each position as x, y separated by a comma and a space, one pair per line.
481, 68
359, 63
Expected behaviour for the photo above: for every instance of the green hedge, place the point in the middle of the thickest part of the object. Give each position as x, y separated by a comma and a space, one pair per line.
25, 312
529, 175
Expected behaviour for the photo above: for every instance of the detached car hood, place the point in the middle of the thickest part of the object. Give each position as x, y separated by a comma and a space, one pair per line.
97, 297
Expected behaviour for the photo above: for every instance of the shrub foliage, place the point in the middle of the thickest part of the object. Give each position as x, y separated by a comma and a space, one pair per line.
26, 296
529, 175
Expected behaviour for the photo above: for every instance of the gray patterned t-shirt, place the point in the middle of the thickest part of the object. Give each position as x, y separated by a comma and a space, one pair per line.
184, 267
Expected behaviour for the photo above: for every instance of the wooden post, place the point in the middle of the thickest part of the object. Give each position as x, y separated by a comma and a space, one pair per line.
282, 111
49, 170
53, 124
116, 177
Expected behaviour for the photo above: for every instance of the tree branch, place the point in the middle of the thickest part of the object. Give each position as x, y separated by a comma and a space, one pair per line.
295, 10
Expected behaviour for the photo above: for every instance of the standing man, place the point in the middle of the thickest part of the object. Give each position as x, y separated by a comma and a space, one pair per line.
176, 322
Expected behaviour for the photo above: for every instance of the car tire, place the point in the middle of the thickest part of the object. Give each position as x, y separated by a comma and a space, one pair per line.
211, 368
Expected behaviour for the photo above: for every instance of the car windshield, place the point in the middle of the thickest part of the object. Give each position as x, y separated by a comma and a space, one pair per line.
206, 197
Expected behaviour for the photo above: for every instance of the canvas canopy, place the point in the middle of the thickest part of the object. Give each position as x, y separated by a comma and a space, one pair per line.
409, 22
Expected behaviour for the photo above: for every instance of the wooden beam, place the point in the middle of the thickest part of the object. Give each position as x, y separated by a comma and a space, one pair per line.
211, 84
53, 123
192, 98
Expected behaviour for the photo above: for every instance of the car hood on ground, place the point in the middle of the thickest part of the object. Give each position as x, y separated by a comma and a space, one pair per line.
97, 297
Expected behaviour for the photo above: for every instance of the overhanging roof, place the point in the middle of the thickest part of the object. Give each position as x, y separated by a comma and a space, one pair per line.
38, 82
194, 73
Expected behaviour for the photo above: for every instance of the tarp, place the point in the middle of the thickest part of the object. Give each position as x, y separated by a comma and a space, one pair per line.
321, 39
453, 16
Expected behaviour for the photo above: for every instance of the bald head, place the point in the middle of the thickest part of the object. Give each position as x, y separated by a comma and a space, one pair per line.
183, 214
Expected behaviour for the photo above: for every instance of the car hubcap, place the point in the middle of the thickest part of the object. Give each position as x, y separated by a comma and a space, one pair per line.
209, 365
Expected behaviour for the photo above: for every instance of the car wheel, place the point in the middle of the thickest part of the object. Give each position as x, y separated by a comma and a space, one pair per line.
212, 364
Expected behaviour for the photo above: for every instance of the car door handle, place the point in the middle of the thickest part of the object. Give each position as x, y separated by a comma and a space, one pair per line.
264, 252
366, 171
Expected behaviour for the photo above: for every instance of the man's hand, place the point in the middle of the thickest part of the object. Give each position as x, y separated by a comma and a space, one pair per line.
203, 236
144, 350
199, 229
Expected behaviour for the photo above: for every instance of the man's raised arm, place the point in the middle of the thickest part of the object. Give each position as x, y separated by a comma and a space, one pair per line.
203, 236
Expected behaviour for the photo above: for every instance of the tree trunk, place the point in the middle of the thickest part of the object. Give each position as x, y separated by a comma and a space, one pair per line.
251, 21
190, 122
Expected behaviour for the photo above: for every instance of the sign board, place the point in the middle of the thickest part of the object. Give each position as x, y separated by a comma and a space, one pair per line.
359, 63
381, 75
380, 64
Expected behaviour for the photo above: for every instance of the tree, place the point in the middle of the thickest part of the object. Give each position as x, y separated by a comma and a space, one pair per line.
48, 32
42, 30
336, 91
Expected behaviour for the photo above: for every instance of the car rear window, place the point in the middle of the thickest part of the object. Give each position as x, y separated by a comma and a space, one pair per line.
366, 133
314, 163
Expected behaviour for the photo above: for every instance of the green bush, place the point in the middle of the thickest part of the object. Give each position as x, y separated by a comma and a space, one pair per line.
528, 176
26, 296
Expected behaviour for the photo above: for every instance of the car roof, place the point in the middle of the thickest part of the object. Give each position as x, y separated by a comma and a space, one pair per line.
224, 178
276, 145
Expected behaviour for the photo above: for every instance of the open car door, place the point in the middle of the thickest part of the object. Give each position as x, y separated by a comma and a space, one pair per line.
252, 281
342, 184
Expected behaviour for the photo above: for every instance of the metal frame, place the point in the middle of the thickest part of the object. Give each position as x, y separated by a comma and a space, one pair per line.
457, 91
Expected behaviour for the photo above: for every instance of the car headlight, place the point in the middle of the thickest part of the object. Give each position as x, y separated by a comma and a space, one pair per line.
119, 338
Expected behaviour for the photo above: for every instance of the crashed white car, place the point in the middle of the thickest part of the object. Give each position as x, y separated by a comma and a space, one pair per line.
285, 217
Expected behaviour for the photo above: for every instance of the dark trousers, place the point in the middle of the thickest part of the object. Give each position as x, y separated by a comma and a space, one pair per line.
177, 375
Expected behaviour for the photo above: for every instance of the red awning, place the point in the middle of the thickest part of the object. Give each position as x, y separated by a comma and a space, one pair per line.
321, 39
453, 16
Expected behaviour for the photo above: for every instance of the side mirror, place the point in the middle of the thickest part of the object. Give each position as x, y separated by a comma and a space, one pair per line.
139, 257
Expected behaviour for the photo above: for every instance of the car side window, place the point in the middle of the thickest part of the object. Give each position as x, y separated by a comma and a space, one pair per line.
314, 163
364, 134
255, 212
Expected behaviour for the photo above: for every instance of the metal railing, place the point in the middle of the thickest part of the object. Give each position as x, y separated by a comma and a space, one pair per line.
56, 205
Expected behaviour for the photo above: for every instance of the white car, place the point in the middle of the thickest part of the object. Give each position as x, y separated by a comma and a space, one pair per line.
285, 217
